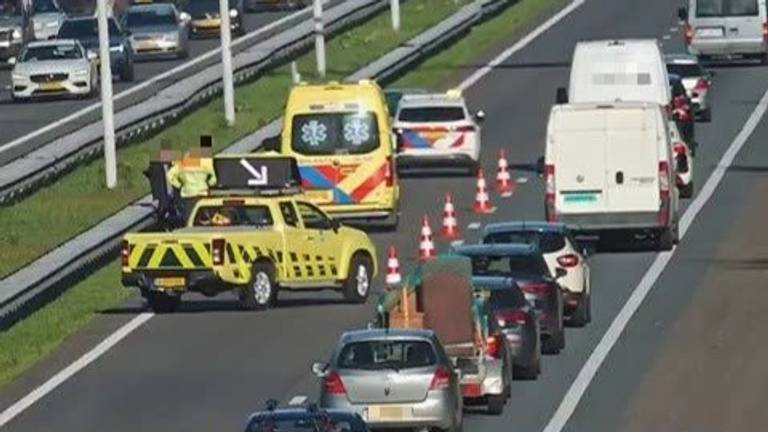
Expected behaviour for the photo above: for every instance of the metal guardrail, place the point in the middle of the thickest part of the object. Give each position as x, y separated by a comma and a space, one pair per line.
23, 291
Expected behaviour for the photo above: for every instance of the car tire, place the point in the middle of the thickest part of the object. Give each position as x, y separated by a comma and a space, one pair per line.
554, 344
357, 286
261, 291
527, 373
582, 315
496, 404
687, 191
127, 72
183, 54
161, 303
706, 115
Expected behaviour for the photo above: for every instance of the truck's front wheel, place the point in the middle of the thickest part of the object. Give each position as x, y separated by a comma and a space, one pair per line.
496, 404
358, 282
163, 303
261, 291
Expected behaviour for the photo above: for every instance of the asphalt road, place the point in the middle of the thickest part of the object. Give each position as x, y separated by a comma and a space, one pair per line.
19, 119
208, 366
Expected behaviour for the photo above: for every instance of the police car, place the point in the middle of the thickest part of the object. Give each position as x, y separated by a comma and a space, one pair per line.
437, 130
255, 234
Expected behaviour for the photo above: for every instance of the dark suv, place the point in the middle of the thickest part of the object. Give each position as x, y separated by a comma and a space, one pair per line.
86, 30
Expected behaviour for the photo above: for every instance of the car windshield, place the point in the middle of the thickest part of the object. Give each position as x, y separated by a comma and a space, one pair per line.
387, 354
721, 8
44, 6
547, 242
200, 7
233, 215
150, 17
431, 114
306, 423
51, 52
685, 70
335, 133
85, 28
514, 265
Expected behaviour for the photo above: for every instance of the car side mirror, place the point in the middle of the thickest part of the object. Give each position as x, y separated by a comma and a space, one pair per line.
185, 18
540, 165
711, 73
457, 371
480, 116
560, 273
335, 225
271, 143
682, 14
561, 96
91, 55
12, 60
320, 369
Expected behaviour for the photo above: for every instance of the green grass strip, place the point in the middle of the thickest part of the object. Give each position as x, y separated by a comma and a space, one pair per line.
34, 338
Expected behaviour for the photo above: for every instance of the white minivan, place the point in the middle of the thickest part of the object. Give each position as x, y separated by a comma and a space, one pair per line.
617, 70
726, 28
609, 168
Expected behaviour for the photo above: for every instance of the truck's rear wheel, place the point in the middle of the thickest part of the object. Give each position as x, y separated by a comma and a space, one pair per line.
358, 282
261, 291
163, 303
496, 404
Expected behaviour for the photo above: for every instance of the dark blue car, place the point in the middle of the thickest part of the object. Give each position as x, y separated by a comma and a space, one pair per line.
86, 30
304, 419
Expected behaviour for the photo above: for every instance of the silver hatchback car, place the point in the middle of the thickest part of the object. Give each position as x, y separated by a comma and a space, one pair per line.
393, 379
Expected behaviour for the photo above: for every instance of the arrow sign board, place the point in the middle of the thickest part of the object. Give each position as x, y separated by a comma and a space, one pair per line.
256, 172
259, 177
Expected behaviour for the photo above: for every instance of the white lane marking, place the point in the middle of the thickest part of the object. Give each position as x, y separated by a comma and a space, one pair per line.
78, 365
456, 243
673, 29
587, 373
83, 111
298, 400
522, 43
522, 180
474, 226
666, 37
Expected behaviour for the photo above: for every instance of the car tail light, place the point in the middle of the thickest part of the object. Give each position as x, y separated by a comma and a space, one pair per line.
389, 173
765, 32
441, 379
664, 184
549, 197
701, 86
333, 384
217, 251
536, 288
465, 129
509, 318
689, 33
493, 344
568, 261
125, 253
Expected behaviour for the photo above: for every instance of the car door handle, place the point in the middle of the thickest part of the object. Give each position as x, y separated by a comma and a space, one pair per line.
619, 177
734, 29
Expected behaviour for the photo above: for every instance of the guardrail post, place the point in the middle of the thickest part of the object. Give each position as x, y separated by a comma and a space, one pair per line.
317, 9
226, 62
395, 7
107, 110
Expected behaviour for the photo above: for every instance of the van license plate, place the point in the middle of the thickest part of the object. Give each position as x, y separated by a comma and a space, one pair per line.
581, 198
710, 32
170, 282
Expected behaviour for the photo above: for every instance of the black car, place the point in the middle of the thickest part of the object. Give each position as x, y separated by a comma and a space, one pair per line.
304, 419
86, 30
525, 263
682, 108
518, 321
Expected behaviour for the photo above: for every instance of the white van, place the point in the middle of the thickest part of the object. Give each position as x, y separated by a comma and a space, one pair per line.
609, 168
618, 70
726, 28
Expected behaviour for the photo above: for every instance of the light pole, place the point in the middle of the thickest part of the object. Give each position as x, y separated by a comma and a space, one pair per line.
394, 5
107, 110
317, 10
226, 63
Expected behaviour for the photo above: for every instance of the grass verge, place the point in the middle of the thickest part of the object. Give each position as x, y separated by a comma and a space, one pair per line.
37, 336
30, 228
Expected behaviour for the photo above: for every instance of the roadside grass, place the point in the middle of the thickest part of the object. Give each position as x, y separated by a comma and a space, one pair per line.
79, 200
34, 338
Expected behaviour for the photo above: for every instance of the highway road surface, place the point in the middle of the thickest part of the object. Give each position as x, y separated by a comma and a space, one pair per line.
691, 355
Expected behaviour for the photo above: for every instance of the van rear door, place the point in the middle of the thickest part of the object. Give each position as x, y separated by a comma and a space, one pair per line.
744, 25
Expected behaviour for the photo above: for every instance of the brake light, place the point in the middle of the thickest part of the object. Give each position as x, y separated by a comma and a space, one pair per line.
389, 173
689, 33
509, 318
465, 129
567, 261
680, 149
217, 251
765, 32
125, 253
549, 197
493, 344
701, 86
441, 380
536, 288
333, 384
664, 183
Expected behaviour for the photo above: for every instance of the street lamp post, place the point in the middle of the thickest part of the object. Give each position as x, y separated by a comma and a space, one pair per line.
317, 10
107, 109
226, 63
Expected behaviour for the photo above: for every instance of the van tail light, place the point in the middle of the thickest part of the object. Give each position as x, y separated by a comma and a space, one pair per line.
389, 172
125, 253
689, 33
680, 149
508, 318
549, 197
765, 32
217, 251
441, 380
568, 260
493, 344
333, 384
537, 289
702, 86
664, 184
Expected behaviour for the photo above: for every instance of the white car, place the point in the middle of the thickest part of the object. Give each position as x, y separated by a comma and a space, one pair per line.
437, 130
560, 250
683, 162
54, 68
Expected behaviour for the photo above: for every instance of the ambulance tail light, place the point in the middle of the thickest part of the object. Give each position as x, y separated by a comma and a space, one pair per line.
125, 253
664, 184
689, 33
549, 196
389, 172
217, 251
765, 32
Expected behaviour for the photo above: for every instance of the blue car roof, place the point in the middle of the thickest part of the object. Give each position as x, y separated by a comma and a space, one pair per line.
523, 226
505, 249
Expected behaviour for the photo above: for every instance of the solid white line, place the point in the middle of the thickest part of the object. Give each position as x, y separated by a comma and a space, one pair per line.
587, 373
522, 43
666, 37
79, 364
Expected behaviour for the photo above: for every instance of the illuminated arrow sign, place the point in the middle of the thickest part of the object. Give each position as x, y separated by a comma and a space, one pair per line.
257, 178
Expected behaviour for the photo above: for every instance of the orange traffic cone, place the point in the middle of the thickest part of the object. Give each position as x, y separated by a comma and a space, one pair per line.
504, 185
450, 224
482, 202
426, 245
393, 268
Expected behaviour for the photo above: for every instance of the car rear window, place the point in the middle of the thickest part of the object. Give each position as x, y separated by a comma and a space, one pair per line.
547, 242
515, 266
335, 133
431, 114
387, 354
507, 298
721, 8
85, 28
233, 215
685, 70
157, 16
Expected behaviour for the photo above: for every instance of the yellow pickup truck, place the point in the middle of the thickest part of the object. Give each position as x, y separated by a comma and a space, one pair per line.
254, 244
